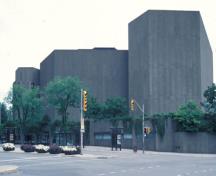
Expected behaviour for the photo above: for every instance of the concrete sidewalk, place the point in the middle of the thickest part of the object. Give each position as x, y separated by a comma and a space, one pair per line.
108, 151
8, 169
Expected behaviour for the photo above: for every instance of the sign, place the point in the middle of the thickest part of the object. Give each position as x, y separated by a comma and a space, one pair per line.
82, 129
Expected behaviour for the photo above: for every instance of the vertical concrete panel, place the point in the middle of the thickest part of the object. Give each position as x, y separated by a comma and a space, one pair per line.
165, 47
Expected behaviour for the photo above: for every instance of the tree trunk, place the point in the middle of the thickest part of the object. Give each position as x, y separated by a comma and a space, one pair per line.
22, 135
50, 137
134, 140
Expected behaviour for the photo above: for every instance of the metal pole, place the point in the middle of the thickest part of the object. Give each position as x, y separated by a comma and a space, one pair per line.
81, 118
143, 125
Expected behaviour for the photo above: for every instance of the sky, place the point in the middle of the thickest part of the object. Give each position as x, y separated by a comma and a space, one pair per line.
31, 29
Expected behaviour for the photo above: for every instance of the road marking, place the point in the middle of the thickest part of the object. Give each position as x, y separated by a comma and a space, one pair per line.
50, 163
29, 158
112, 172
150, 167
123, 171
101, 174
179, 175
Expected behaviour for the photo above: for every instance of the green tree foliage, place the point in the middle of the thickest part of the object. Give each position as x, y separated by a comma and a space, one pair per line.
26, 106
4, 114
63, 93
210, 95
95, 110
189, 117
116, 109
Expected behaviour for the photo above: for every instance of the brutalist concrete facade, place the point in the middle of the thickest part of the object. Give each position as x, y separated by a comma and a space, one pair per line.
28, 76
103, 71
170, 59
169, 62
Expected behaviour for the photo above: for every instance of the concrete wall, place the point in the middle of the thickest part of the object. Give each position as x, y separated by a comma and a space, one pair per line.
206, 57
165, 53
103, 71
172, 141
28, 76
195, 142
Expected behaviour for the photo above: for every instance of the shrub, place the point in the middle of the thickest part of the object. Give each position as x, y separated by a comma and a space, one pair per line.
27, 148
41, 148
8, 147
54, 149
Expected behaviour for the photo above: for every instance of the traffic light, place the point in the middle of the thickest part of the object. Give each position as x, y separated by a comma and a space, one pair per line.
132, 105
85, 93
147, 130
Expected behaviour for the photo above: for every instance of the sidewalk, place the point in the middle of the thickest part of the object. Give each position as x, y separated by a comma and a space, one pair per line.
8, 169
108, 151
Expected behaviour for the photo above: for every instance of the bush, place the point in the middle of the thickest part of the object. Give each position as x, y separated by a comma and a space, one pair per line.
41, 148
54, 149
27, 148
8, 147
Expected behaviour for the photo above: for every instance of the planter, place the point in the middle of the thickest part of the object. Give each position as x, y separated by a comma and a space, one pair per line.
70, 150
54, 149
27, 148
41, 148
8, 147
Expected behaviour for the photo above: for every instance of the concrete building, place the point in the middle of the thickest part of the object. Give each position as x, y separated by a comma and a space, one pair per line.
170, 59
169, 62
28, 76
103, 71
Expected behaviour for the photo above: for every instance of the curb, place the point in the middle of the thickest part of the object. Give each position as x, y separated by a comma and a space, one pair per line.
8, 169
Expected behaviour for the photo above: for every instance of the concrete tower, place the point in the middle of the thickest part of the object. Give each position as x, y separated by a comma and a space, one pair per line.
170, 59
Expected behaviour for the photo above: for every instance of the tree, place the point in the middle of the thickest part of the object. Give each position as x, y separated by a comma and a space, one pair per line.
116, 109
188, 117
4, 114
95, 110
210, 95
63, 93
26, 106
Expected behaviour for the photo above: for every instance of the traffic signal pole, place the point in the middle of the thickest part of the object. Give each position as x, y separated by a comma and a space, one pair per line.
142, 109
143, 125
81, 121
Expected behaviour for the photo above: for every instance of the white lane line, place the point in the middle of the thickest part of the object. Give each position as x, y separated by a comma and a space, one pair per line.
29, 158
179, 175
50, 163
101, 174
112, 172
150, 167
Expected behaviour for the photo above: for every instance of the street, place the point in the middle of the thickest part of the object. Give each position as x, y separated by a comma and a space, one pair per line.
99, 161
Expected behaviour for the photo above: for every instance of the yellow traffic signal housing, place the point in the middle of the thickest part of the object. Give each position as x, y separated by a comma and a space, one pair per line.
85, 94
132, 105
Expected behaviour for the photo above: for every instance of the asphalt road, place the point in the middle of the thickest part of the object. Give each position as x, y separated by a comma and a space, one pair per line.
109, 163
